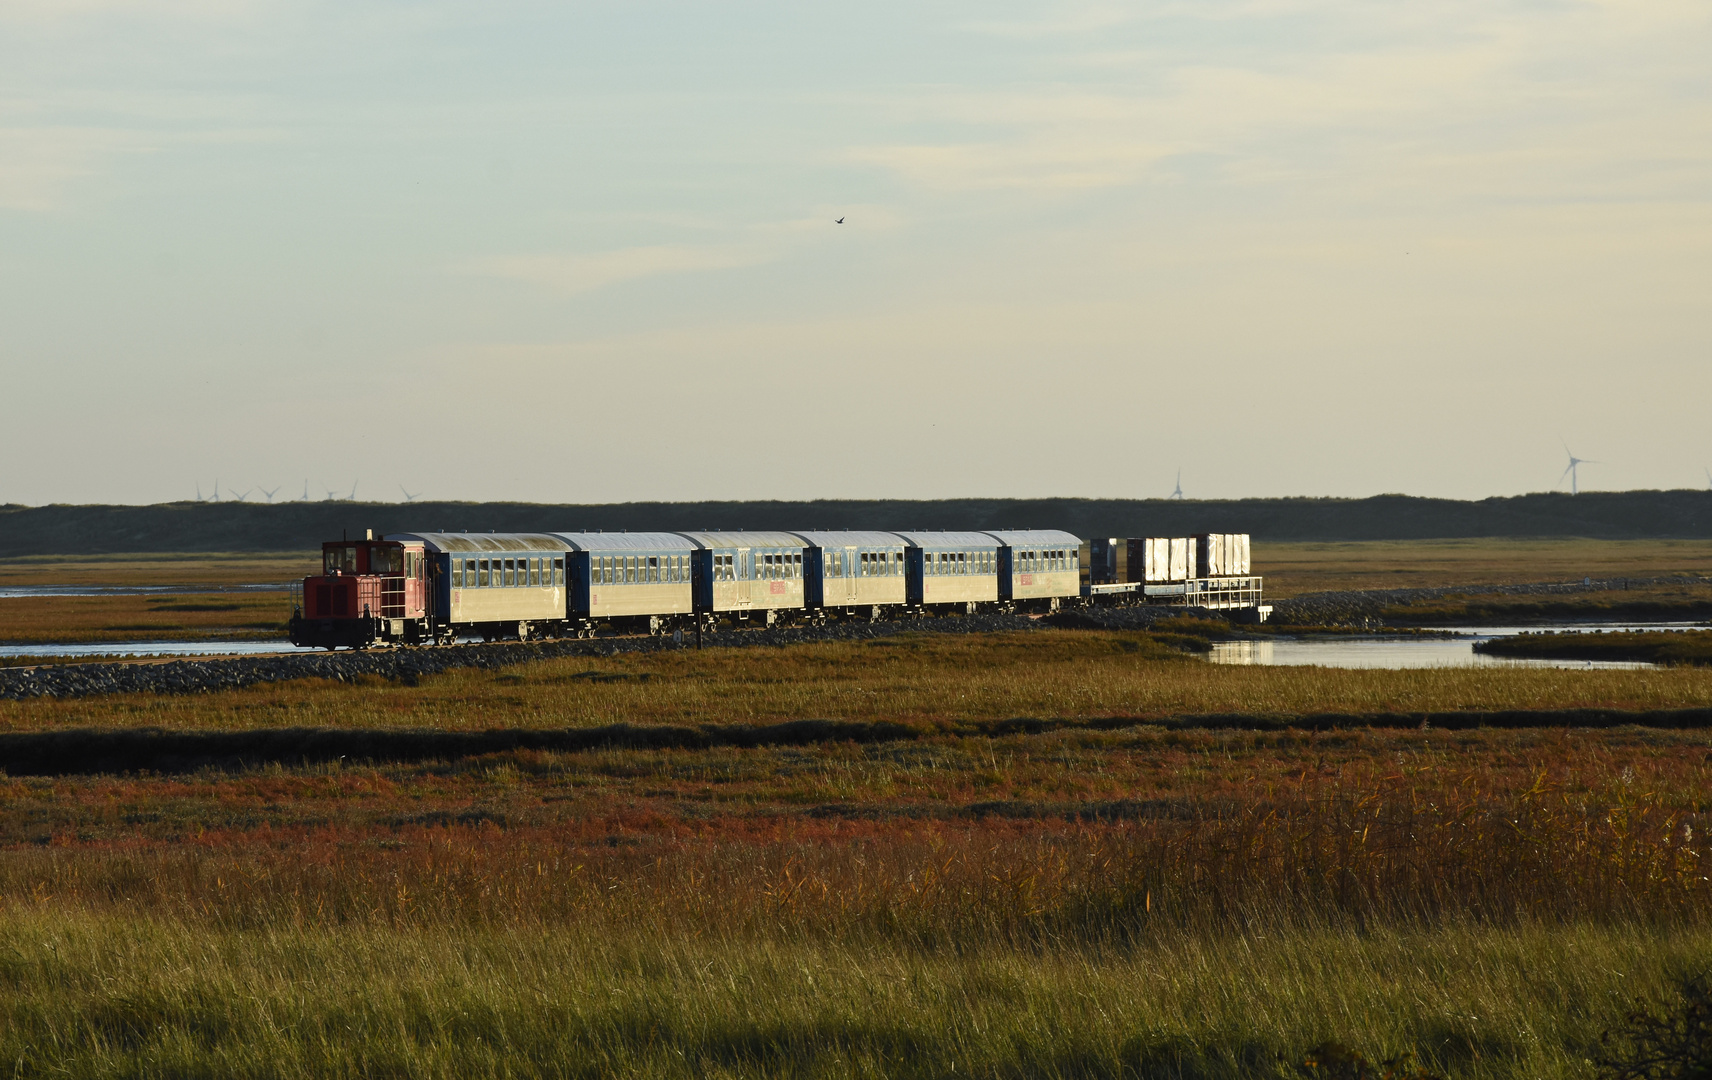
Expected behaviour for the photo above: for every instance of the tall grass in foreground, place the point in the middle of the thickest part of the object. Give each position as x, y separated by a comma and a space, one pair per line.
1014, 874
88, 995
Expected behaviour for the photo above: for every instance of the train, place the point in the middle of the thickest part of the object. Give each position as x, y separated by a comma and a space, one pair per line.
441, 587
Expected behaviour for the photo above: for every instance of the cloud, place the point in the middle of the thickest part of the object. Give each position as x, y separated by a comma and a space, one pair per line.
585, 273
39, 164
1562, 101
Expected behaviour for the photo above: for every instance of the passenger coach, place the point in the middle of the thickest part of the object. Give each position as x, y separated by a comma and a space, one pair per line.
951, 570
745, 575
497, 585
1038, 567
637, 581
853, 572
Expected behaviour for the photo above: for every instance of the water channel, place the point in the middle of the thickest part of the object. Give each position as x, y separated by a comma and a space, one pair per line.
1417, 652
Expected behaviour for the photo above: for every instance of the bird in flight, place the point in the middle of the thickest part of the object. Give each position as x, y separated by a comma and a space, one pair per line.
840, 221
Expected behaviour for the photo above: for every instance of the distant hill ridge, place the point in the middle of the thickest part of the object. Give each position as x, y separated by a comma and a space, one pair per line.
230, 526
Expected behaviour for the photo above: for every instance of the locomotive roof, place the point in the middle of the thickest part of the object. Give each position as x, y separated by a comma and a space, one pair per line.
949, 539
1036, 537
852, 538
744, 539
625, 541
483, 542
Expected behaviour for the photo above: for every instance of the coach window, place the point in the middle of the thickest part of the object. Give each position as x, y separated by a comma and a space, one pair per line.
473, 581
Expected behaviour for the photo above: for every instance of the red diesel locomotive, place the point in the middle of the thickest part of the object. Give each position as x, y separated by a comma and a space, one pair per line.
368, 592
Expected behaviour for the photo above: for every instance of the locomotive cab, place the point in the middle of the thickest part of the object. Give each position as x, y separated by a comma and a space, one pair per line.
369, 592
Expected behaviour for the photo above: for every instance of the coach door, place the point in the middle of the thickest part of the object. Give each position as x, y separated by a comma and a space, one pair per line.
745, 574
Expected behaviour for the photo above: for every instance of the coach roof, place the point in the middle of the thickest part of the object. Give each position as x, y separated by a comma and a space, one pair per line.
482, 543
949, 539
1033, 538
626, 541
745, 539
851, 538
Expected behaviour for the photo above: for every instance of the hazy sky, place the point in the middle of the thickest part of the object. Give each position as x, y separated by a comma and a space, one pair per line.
587, 252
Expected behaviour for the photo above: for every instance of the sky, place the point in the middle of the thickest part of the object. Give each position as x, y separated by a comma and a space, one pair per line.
590, 252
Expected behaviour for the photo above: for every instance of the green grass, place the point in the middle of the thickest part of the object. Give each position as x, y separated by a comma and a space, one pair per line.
1659, 647
95, 995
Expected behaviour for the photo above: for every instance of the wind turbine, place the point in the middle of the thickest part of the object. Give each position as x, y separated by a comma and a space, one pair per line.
216, 497
305, 489
1570, 470
332, 496
352, 497
268, 493
409, 498
1178, 494
199, 497
1708, 478
244, 496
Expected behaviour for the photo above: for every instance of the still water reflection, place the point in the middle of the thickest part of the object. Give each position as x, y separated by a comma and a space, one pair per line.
1425, 652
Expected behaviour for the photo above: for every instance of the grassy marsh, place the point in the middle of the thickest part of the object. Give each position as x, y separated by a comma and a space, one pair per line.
925, 679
